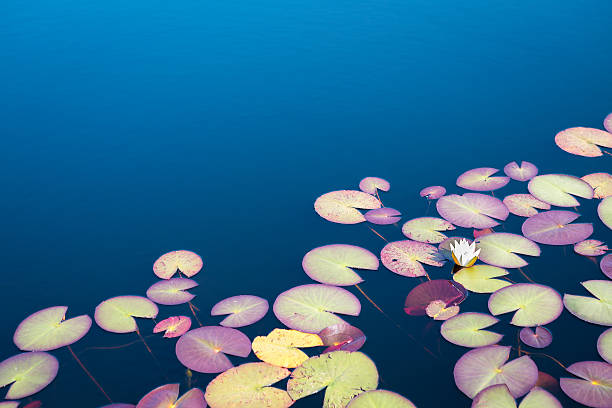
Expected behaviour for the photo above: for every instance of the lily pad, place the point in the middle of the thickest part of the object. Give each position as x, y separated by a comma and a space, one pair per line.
449, 292
311, 308
465, 330
344, 374
383, 216
438, 310
166, 397
281, 347
480, 278
608, 123
596, 310
432, 192
342, 206
590, 247
559, 189
174, 326
606, 265
485, 366
526, 171
204, 349
342, 336
243, 310
425, 229
480, 179
187, 262
380, 399
604, 345
555, 228
241, 386
172, 291
604, 210
594, 386
371, 184
405, 257
500, 249
117, 314
498, 396
47, 330
331, 264
524, 205
541, 338
583, 141
27, 373
534, 304
601, 184
472, 210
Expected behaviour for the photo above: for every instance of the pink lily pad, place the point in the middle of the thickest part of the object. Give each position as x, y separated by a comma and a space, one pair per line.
187, 262
438, 310
524, 205
421, 296
601, 184
172, 291
204, 349
342, 336
166, 397
383, 216
554, 228
405, 257
472, 210
608, 123
342, 206
526, 171
371, 184
590, 247
174, 326
593, 388
243, 310
432, 192
606, 265
540, 339
480, 179
583, 141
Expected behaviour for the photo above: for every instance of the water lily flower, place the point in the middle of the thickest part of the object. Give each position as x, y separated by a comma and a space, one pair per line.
464, 254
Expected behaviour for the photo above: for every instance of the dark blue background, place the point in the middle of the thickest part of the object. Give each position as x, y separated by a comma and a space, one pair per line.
133, 128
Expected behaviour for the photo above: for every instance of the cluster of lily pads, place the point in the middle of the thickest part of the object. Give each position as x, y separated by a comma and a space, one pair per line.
310, 312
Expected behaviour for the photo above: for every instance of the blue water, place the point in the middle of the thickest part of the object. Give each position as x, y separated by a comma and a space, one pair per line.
133, 128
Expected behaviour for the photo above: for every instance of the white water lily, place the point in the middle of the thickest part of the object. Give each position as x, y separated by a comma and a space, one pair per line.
464, 254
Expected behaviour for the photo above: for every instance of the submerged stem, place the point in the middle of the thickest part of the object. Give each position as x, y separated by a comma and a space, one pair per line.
91, 377
150, 352
374, 231
192, 307
545, 355
525, 275
377, 196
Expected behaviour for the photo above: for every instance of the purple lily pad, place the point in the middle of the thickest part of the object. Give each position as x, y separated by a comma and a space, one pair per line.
342, 336
540, 339
555, 228
371, 184
451, 293
472, 210
480, 179
383, 216
171, 291
433, 192
606, 265
243, 310
594, 388
526, 171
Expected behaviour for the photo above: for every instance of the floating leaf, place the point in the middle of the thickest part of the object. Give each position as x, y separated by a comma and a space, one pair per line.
524, 205
479, 278
204, 349
494, 396
371, 184
248, 385
342, 336
472, 210
559, 189
608, 123
47, 330
341, 206
485, 366
451, 293
345, 374
590, 247
433, 192
27, 373
534, 304
9, 404
583, 141
383, 216
405, 257
174, 326
606, 265
601, 184
438, 311
604, 210
243, 310
594, 389
554, 228
480, 179
166, 397
596, 310
380, 399
172, 291
465, 330
332, 264
117, 314
187, 262
311, 308
280, 347
425, 229
526, 171
604, 345
500, 249
540, 339
539, 398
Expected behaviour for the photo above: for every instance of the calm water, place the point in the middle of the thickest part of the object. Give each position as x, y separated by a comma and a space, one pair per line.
133, 128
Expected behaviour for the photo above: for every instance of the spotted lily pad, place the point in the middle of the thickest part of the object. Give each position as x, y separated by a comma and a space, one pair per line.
187, 262
344, 374
590, 247
342, 206
596, 310
332, 264
601, 184
534, 304
559, 189
406, 257
500, 249
524, 205
425, 229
